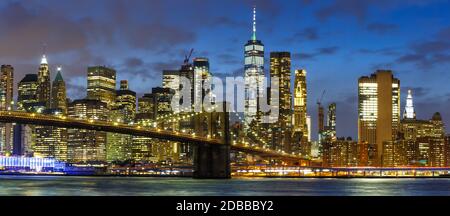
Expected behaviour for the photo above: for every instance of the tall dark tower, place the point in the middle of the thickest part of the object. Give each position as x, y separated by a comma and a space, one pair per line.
59, 99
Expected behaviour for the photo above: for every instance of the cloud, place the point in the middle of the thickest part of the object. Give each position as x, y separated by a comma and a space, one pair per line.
359, 9
381, 28
428, 53
388, 51
319, 52
308, 34
134, 62
228, 59
24, 29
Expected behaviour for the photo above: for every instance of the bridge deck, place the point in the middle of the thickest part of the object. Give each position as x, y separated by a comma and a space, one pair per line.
135, 130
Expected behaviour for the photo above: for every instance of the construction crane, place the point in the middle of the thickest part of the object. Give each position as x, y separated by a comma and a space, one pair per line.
188, 57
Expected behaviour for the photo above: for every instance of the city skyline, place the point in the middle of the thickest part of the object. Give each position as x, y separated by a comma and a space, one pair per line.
425, 94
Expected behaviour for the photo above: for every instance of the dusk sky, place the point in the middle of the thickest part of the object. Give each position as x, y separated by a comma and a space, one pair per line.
335, 41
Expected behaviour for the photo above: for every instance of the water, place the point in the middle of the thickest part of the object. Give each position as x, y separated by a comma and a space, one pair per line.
146, 186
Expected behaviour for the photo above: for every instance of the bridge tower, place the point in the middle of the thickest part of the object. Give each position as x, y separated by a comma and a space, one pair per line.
213, 161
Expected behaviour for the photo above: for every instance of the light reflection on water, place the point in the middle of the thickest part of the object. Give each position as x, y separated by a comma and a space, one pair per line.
150, 186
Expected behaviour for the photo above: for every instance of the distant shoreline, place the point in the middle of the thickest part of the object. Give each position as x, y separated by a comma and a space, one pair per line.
233, 177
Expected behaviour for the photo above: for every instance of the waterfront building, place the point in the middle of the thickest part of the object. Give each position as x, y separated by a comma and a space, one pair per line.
49, 141
378, 114
87, 145
142, 146
162, 150
340, 152
23, 140
101, 84
118, 146
253, 77
6, 103
437, 142
447, 150
27, 101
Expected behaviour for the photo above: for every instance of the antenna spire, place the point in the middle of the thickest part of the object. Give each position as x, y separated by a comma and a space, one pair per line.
44, 58
254, 23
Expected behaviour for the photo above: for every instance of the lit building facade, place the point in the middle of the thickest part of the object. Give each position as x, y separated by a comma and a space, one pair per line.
340, 153
378, 114
253, 77
280, 69
101, 84
202, 82
126, 102
6, 103
118, 146
300, 103
141, 150
44, 85
87, 145
27, 93
409, 108
50, 142
59, 98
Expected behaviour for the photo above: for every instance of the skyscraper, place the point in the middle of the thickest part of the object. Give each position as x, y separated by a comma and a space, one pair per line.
59, 99
27, 92
409, 108
253, 77
378, 114
101, 84
280, 68
6, 103
27, 101
87, 145
49, 141
118, 146
331, 120
44, 85
126, 102
437, 142
6, 87
280, 75
201, 76
142, 146
301, 127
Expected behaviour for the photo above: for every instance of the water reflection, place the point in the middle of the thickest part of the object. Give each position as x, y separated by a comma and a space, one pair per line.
120, 186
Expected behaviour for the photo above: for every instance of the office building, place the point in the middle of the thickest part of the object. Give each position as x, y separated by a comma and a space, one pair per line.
253, 77
6, 103
44, 85
378, 114
59, 98
101, 84
87, 145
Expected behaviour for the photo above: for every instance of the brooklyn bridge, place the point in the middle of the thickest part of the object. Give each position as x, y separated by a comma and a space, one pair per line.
211, 152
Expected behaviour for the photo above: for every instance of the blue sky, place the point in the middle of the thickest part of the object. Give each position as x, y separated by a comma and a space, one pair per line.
336, 41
